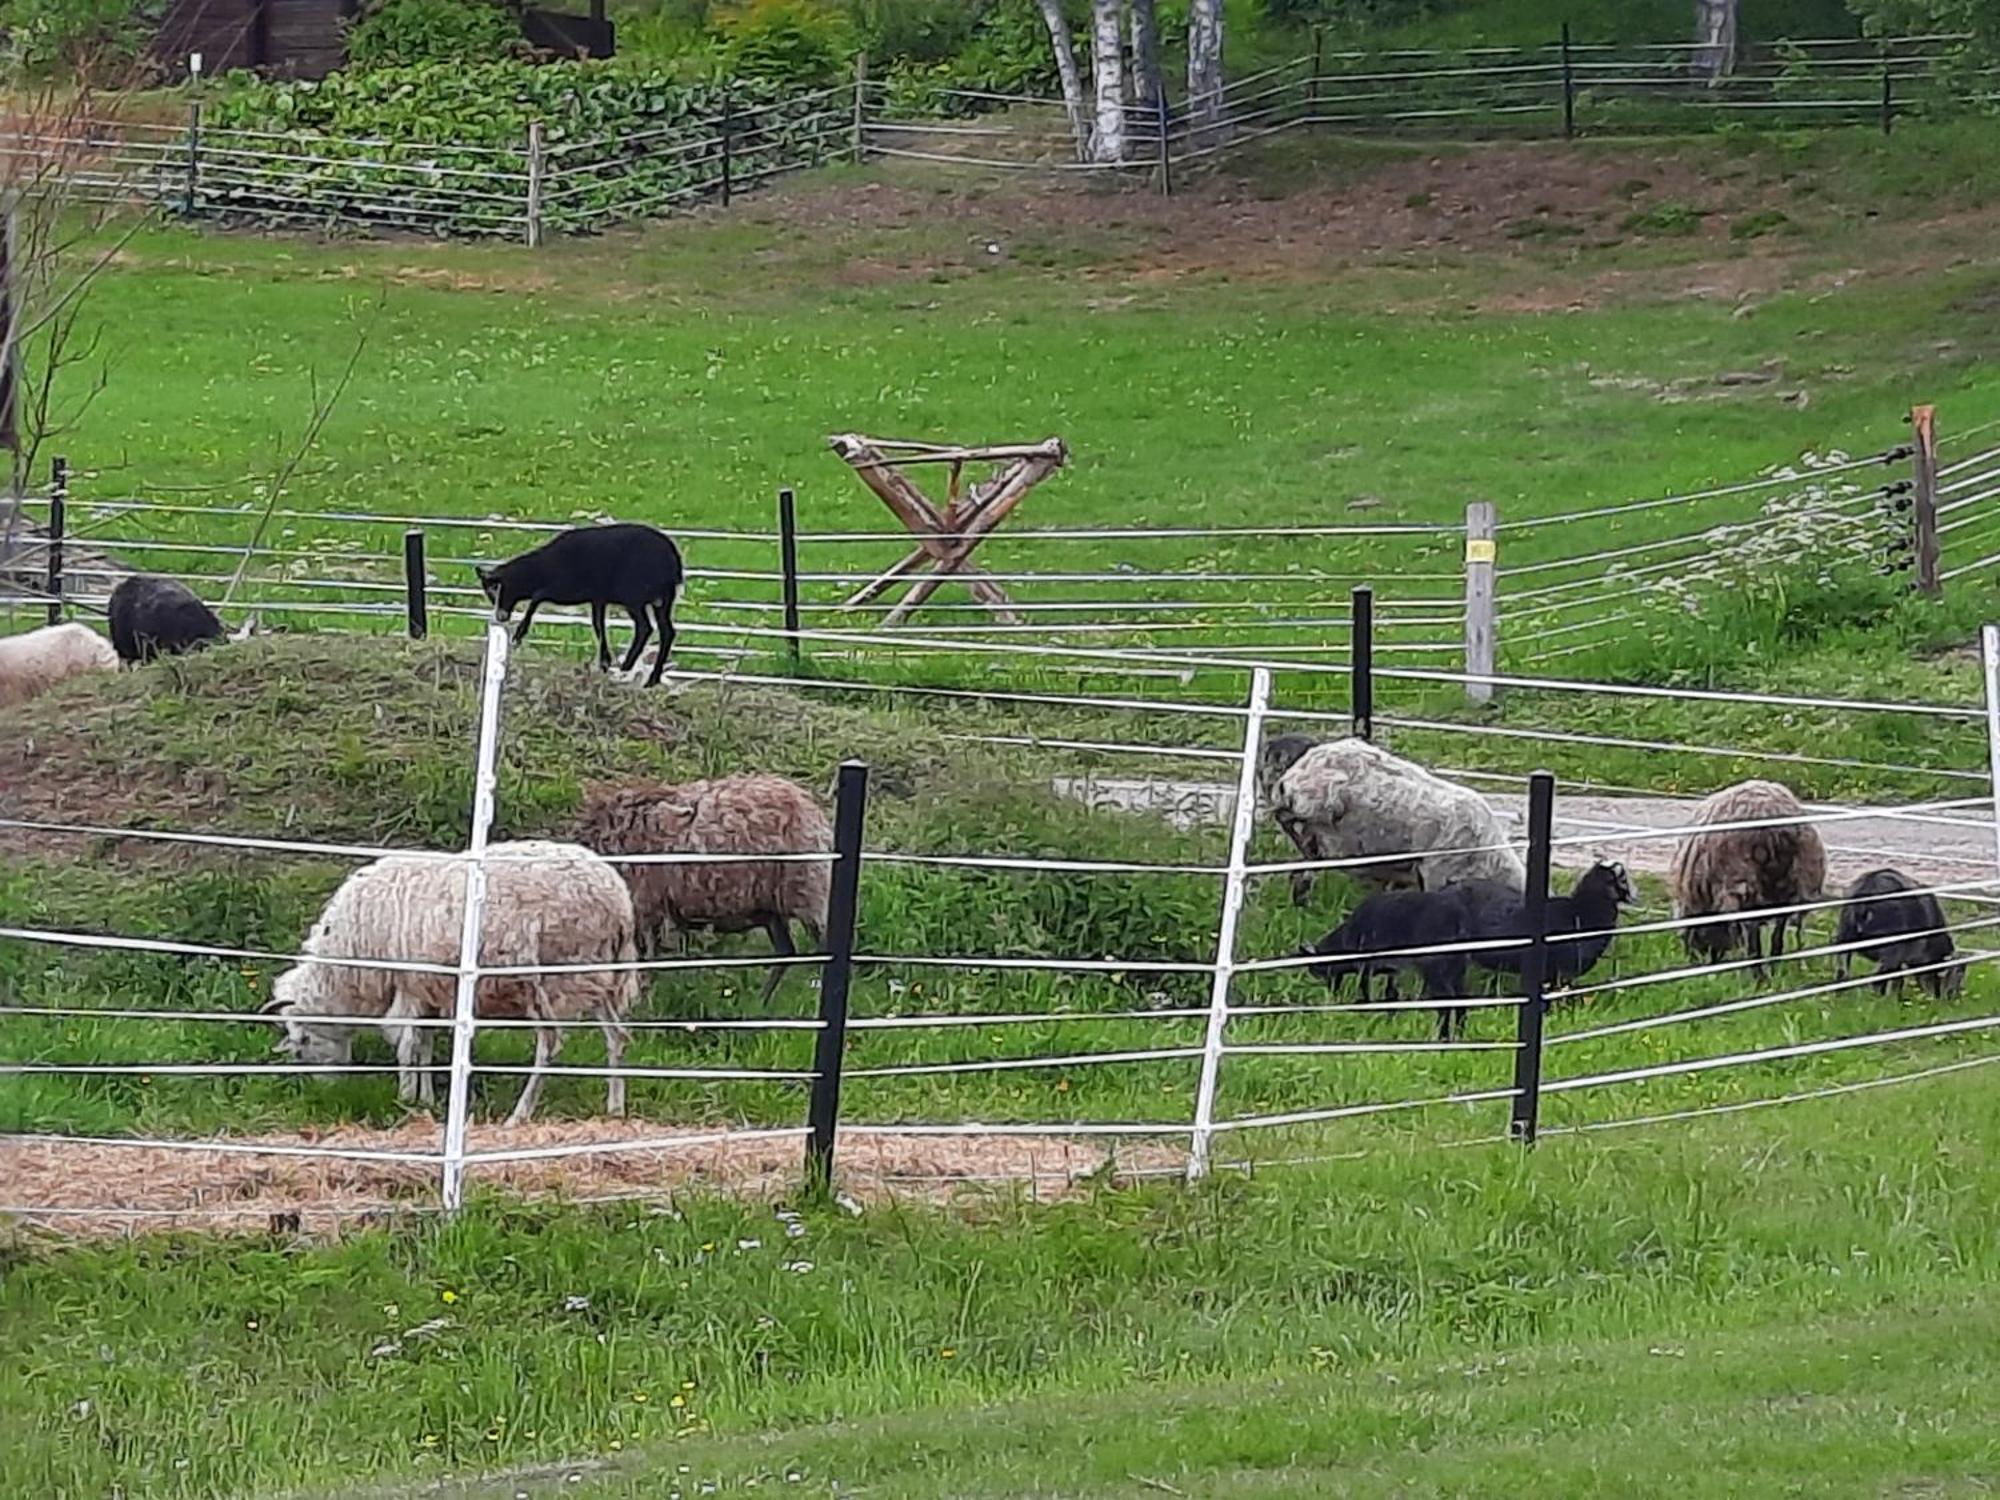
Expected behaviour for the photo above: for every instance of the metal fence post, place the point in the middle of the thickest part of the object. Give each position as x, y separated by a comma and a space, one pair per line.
465, 1018
58, 522
1233, 883
415, 594
193, 158
1481, 612
1362, 662
10, 354
850, 813
1569, 87
1989, 652
1923, 435
860, 106
788, 563
728, 144
1534, 963
537, 171
1165, 119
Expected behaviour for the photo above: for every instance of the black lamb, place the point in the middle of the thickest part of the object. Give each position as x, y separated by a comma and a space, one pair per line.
1495, 910
1897, 927
153, 616
633, 566
1375, 938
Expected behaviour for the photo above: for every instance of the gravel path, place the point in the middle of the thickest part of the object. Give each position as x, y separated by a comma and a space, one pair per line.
1931, 852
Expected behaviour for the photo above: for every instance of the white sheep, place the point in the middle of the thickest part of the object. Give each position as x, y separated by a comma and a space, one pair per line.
33, 663
546, 904
1349, 799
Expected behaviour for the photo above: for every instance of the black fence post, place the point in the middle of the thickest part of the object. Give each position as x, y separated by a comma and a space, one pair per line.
194, 157
1888, 92
728, 143
788, 561
415, 595
830, 1050
1319, 66
1534, 963
1363, 662
1569, 88
58, 522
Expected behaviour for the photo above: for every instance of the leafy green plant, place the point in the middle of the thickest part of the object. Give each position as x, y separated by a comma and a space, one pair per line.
398, 33
1672, 217
84, 38
802, 42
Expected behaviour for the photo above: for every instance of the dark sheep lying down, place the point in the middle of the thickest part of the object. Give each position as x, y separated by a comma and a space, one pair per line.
1897, 932
153, 617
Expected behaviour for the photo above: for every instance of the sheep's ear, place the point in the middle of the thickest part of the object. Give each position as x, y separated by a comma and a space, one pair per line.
275, 1008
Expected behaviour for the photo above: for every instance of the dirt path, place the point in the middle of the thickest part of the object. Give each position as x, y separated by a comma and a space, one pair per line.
1931, 852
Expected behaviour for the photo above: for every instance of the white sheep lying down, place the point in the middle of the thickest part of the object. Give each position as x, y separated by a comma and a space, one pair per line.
1349, 799
546, 903
34, 662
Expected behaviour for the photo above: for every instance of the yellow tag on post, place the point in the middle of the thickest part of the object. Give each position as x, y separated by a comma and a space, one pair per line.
1481, 549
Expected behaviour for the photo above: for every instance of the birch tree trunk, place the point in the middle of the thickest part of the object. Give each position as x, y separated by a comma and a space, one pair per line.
1072, 82
1204, 75
1147, 81
1107, 51
1714, 39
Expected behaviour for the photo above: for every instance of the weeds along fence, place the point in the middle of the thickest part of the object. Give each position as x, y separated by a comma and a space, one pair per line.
547, 184
1650, 581
1107, 989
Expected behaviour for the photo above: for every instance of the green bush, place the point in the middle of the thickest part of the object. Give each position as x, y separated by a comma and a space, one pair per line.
97, 40
400, 33
800, 42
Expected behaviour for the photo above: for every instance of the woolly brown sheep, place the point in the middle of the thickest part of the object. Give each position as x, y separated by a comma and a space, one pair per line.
1746, 870
746, 814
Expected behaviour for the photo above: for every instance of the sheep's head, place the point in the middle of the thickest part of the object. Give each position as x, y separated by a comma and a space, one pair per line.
493, 582
1612, 877
307, 1039
1945, 984
1278, 756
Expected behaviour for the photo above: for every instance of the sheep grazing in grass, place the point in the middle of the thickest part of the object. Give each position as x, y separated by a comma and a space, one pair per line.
1746, 874
1375, 938
33, 663
748, 814
152, 617
546, 904
1897, 927
1495, 910
1349, 799
633, 566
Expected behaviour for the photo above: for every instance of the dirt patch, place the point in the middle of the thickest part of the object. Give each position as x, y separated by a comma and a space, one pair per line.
297, 1185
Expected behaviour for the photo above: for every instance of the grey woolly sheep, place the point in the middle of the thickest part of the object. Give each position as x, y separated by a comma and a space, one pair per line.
1746, 871
152, 616
746, 814
1349, 799
546, 903
33, 663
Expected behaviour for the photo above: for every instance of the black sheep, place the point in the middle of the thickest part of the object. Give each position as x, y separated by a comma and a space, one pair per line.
1390, 923
1897, 931
153, 616
633, 566
1494, 910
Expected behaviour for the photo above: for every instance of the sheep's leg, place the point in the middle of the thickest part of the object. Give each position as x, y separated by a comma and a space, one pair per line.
1753, 939
1778, 937
527, 619
603, 640
781, 944
615, 1038
1843, 965
642, 631
664, 610
420, 1047
547, 1043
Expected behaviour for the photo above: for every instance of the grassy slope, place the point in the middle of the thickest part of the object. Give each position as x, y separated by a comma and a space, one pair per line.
1455, 1310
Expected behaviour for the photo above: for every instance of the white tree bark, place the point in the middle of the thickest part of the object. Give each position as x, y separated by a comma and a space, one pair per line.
1714, 39
1107, 52
1146, 78
1204, 75
1072, 82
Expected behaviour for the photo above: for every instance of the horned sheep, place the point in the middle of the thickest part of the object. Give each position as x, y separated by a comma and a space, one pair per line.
1750, 875
1349, 799
736, 815
32, 663
546, 904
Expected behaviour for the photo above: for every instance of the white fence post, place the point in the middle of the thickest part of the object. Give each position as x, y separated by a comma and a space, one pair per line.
465, 1016
1232, 909
1989, 653
537, 170
1482, 624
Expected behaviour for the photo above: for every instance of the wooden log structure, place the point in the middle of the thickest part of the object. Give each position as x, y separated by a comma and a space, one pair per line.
946, 535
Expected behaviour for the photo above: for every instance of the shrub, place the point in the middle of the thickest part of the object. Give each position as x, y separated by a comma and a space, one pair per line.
400, 33
801, 42
87, 38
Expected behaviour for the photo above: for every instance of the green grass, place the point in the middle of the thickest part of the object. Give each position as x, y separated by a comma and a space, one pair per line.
1799, 1296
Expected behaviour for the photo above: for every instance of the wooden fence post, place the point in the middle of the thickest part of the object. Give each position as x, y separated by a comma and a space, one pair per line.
728, 144
1165, 118
416, 596
1923, 427
58, 523
1888, 91
1481, 613
860, 105
1534, 1007
1319, 66
1362, 663
788, 563
1569, 88
10, 354
836, 974
536, 172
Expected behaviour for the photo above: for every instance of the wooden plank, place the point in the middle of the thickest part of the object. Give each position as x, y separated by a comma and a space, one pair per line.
1923, 423
1481, 614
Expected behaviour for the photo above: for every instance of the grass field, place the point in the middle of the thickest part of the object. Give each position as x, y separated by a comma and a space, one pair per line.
1796, 1298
